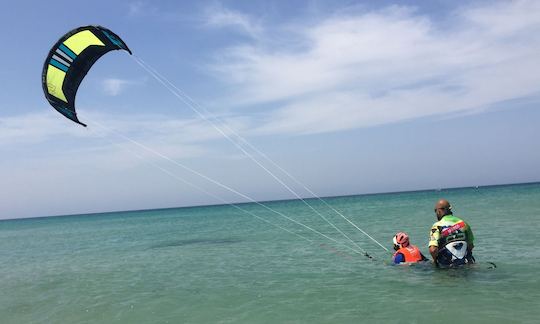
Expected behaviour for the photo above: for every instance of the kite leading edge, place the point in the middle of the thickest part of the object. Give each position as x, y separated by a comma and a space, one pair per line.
70, 59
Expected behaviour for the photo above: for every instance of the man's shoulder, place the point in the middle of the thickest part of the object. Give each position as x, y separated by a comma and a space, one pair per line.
438, 223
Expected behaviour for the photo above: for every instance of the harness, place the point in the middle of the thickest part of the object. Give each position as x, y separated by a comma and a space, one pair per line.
453, 245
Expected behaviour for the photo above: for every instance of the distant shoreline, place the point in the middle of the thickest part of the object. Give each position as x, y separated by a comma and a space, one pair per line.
278, 200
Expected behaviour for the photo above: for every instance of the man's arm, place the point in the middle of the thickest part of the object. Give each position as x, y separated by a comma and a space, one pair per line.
434, 251
434, 243
470, 238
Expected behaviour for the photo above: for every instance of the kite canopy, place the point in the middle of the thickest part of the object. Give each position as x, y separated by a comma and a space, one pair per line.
70, 59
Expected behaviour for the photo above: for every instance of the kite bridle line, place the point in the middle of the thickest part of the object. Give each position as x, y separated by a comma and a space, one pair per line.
156, 153
195, 107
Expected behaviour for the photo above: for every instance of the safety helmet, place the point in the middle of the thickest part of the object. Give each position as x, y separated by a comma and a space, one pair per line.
401, 239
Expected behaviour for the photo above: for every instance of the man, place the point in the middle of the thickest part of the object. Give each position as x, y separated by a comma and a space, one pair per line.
451, 239
405, 252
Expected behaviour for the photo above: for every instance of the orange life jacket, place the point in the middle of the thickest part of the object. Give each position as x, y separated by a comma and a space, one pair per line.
411, 253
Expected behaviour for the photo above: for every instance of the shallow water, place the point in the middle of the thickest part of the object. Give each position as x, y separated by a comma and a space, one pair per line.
220, 265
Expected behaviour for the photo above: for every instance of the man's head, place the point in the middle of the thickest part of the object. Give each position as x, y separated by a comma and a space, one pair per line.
442, 208
400, 240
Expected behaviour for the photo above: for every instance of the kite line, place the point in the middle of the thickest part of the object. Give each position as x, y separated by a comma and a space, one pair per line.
165, 157
195, 107
73, 55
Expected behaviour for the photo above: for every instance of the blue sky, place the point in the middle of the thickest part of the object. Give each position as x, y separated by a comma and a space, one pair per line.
349, 97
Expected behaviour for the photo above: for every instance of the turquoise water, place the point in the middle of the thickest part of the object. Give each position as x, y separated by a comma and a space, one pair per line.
220, 265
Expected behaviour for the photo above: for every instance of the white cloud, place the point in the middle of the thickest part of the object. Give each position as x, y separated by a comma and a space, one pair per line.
175, 138
218, 16
135, 8
113, 156
114, 86
33, 128
504, 18
357, 70
141, 8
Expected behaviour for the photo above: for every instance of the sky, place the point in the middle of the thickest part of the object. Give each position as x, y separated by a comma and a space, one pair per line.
349, 97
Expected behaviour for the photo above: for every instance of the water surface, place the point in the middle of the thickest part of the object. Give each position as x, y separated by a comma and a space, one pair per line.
221, 265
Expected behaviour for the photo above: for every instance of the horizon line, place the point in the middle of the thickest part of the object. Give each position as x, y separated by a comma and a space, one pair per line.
276, 200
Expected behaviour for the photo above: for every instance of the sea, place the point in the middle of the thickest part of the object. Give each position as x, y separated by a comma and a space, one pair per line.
275, 262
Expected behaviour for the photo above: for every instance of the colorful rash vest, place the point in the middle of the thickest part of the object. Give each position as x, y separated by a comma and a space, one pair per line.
450, 229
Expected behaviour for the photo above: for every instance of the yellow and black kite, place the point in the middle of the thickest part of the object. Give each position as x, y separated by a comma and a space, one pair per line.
70, 59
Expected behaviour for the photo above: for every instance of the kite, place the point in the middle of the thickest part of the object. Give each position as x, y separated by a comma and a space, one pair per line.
70, 59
